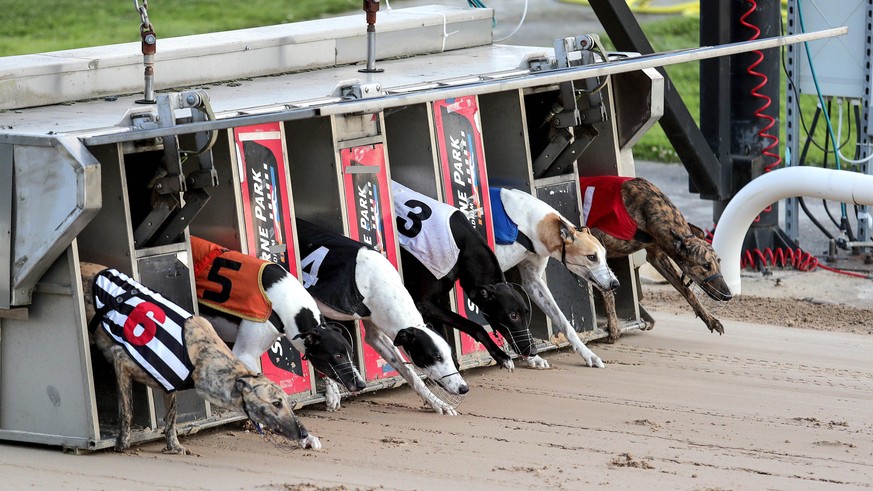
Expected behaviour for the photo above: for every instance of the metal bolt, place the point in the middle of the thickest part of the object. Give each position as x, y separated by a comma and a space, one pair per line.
191, 99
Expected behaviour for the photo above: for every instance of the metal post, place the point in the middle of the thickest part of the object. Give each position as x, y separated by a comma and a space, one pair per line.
370, 8
149, 48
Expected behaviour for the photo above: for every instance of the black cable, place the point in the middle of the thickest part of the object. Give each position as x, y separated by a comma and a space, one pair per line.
813, 219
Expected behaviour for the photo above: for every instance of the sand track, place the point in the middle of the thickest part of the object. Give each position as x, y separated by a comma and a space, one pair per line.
676, 407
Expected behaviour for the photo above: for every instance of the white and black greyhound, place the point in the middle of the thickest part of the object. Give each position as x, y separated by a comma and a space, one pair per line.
350, 281
535, 232
251, 302
438, 247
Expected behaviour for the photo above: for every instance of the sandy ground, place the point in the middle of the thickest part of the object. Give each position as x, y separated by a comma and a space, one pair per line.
761, 407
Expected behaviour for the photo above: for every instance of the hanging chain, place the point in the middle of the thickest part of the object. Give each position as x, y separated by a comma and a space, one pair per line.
145, 24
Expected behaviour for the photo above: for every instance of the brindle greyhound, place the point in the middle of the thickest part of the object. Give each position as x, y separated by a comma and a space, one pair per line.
350, 281
477, 269
668, 239
545, 233
217, 375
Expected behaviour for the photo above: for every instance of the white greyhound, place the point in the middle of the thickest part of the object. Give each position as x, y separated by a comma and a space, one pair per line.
545, 233
350, 281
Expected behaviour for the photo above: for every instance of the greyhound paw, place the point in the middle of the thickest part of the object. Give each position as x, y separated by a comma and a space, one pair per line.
311, 442
537, 362
331, 396
122, 445
507, 364
590, 358
440, 407
715, 326
177, 450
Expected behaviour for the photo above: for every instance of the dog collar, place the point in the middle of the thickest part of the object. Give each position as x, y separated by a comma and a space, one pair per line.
525, 241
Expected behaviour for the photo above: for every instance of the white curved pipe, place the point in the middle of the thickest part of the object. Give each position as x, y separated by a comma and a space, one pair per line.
788, 182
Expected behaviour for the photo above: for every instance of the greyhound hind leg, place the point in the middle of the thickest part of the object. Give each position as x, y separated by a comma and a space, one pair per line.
125, 395
173, 445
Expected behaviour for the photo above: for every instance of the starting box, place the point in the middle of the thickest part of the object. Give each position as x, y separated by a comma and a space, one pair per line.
299, 133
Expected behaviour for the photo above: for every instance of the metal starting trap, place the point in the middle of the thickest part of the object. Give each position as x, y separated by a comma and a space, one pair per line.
276, 123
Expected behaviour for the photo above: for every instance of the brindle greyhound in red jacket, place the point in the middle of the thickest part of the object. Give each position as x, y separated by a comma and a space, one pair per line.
653, 223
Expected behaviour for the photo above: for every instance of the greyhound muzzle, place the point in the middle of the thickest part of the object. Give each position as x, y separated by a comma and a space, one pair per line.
708, 286
604, 278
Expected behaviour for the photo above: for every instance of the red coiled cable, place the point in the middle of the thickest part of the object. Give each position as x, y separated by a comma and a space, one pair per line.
765, 100
784, 257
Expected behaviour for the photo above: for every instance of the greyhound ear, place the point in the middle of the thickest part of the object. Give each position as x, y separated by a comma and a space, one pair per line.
243, 385
310, 338
482, 293
566, 232
697, 231
404, 336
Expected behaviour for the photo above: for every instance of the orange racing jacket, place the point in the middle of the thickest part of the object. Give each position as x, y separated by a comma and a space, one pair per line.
230, 281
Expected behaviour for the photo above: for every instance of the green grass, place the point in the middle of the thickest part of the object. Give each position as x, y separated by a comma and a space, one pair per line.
37, 26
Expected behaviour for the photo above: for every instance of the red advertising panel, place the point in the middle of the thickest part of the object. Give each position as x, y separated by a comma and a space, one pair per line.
368, 204
268, 222
465, 184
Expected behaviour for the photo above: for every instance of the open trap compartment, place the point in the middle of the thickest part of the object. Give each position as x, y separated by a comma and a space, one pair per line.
330, 139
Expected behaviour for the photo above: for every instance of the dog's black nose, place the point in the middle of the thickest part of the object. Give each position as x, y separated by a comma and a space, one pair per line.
463, 389
614, 284
360, 384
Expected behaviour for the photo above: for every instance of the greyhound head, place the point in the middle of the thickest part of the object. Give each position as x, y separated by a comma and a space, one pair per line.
430, 353
585, 256
700, 263
267, 405
331, 355
508, 312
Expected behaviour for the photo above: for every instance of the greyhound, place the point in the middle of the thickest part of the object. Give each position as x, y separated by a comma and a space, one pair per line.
653, 223
351, 281
438, 247
251, 301
542, 233
131, 324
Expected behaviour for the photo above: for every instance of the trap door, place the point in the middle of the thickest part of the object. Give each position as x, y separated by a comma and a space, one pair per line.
508, 160
260, 164
368, 212
572, 294
464, 184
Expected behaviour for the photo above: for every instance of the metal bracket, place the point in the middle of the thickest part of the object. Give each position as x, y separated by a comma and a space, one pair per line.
362, 91
168, 214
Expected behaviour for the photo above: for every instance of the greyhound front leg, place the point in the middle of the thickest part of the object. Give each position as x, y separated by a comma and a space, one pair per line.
389, 353
332, 396
467, 326
533, 283
611, 316
664, 265
173, 445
